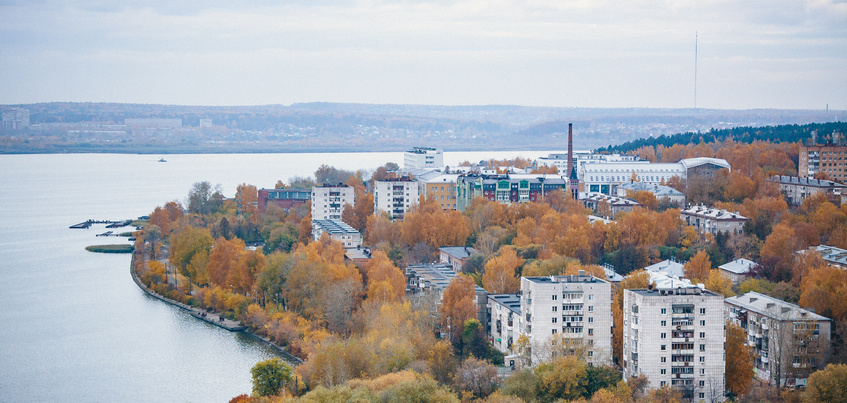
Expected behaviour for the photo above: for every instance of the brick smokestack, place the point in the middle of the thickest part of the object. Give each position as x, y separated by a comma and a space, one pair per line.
570, 150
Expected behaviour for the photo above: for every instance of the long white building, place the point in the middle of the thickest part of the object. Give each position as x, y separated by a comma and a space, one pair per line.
328, 201
395, 196
604, 177
423, 157
572, 307
675, 337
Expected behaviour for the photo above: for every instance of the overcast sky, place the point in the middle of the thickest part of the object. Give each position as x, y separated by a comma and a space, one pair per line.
617, 53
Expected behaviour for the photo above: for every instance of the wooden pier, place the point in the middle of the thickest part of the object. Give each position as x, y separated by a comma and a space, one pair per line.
109, 224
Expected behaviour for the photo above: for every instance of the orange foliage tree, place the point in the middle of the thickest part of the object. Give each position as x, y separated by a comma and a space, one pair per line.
499, 276
697, 269
457, 305
639, 279
386, 283
429, 223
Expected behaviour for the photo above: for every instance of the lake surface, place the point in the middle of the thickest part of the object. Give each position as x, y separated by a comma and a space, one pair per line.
73, 325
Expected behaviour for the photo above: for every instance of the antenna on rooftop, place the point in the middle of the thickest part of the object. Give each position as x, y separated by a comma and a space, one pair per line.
695, 70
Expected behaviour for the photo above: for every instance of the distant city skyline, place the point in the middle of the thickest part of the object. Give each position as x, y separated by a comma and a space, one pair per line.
754, 54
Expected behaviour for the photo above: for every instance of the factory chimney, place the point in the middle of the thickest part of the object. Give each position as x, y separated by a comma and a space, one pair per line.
570, 150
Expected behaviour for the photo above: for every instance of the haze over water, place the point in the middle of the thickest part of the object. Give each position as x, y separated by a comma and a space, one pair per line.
74, 327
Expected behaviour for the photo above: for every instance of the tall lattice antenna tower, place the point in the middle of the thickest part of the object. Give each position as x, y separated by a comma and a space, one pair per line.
695, 69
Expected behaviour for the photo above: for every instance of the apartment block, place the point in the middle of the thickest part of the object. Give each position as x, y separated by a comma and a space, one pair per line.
675, 337
504, 320
712, 220
328, 201
568, 309
423, 157
796, 189
395, 196
338, 231
830, 159
790, 342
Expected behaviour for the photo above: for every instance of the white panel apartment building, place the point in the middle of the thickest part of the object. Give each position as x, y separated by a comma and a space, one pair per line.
395, 196
676, 337
328, 201
423, 157
574, 307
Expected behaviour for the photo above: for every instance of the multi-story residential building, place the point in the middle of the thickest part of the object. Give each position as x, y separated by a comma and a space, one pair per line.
504, 321
836, 257
506, 189
604, 177
338, 231
574, 310
328, 201
395, 196
737, 270
796, 189
661, 192
675, 336
712, 220
283, 198
830, 159
455, 256
441, 189
790, 342
423, 157
608, 206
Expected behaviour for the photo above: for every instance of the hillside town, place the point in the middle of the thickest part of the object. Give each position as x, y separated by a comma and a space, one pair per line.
705, 272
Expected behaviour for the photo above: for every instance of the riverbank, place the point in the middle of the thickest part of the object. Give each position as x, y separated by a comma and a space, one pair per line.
210, 317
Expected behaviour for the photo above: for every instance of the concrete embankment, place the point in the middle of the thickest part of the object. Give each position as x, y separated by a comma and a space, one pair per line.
210, 317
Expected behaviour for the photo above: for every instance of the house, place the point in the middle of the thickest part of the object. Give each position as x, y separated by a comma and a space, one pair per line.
608, 206
836, 257
455, 256
790, 342
675, 337
796, 189
338, 231
711, 220
283, 198
659, 191
737, 270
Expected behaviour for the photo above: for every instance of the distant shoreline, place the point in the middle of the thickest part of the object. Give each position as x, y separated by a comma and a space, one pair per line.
298, 150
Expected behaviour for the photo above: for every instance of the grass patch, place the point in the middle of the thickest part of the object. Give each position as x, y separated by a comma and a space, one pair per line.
140, 223
110, 248
126, 234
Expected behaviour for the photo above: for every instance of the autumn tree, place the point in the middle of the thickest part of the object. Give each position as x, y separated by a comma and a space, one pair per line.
189, 252
223, 260
247, 197
827, 385
427, 222
457, 305
697, 269
500, 272
477, 377
778, 252
636, 280
719, 283
386, 283
270, 377
563, 378
204, 199
739, 360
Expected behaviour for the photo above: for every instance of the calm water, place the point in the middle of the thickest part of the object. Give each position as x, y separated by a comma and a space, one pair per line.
73, 325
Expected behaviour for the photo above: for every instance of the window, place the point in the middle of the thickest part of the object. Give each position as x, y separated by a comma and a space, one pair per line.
554, 320
702, 347
664, 371
663, 347
703, 359
664, 323
591, 308
702, 323
664, 383
664, 335
554, 330
555, 296
702, 311
590, 297
702, 371
554, 308
590, 319
702, 335
702, 384
590, 353
664, 311
702, 395
664, 359
590, 332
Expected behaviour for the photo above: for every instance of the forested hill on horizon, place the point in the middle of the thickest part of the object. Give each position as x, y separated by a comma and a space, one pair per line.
66, 127
746, 134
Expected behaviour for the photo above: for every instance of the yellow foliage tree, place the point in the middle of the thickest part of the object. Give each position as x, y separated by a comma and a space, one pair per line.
457, 305
719, 283
697, 269
499, 277
739, 360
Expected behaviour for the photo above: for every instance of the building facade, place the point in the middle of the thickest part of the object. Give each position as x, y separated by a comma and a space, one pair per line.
676, 338
659, 191
455, 256
574, 310
423, 157
737, 270
790, 342
796, 189
506, 189
709, 220
830, 159
442, 190
283, 198
395, 196
608, 206
504, 321
605, 177
338, 231
328, 201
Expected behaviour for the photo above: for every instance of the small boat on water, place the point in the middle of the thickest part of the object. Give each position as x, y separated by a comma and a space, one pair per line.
162, 160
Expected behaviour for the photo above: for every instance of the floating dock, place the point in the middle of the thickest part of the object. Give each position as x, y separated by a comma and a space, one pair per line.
110, 224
